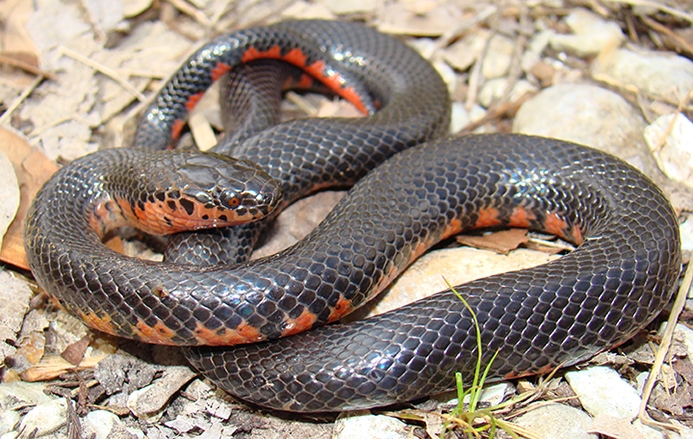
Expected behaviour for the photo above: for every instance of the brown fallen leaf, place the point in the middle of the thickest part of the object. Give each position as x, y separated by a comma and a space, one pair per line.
500, 242
33, 169
74, 353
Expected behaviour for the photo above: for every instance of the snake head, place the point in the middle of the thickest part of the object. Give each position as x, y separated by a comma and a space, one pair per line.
168, 192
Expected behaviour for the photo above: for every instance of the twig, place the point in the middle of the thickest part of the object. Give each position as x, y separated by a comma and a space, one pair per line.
17, 102
501, 110
685, 45
515, 70
104, 70
657, 5
8, 60
191, 11
454, 33
663, 350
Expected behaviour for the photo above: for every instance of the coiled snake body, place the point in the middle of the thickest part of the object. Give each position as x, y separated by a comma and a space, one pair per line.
596, 297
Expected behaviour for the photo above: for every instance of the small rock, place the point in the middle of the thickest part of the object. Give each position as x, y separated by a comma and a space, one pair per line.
686, 229
589, 115
591, 34
557, 421
363, 425
100, 422
499, 57
663, 75
45, 418
494, 89
106, 425
448, 74
22, 394
601, 390
460, 117
104, 14
419, 18
149, 400
670, 139
351, 7
687, 338
305, 10
462, 54
8, 420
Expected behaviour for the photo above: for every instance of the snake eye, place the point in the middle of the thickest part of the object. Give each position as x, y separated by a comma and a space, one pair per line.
230, 199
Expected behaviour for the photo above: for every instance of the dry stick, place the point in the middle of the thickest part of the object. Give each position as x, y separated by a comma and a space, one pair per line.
27, 91
685, 45
657, 5
475, 76
670, 127
663, 350
515, 70
8, 60
454, 33
222, 9
104, 70
191, 11
507, 108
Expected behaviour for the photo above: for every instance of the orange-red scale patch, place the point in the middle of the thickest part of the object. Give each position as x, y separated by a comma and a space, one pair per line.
227, 337
521, 217
219, 70
193, 100
317, 69
101, 323
157, 334
177, 129
556, 225
106, 216
488, 217
302, 323
342, 308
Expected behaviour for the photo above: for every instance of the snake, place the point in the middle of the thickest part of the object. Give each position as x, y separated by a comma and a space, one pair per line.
243, 325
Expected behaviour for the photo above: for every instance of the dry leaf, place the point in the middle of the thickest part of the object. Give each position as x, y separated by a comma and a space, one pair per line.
616, 428
32, 169
9, 194
15, 37
74, 353
500, 242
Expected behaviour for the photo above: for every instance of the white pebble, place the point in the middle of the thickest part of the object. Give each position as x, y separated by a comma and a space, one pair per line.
45, 418
557, 421
585, 114
670, 139
591, 34
601, 390
664, 75
363, 425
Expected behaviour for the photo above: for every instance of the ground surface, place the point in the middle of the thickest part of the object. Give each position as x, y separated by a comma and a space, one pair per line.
76, 75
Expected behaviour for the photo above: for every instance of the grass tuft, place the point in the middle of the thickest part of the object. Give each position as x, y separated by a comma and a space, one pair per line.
472, 421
